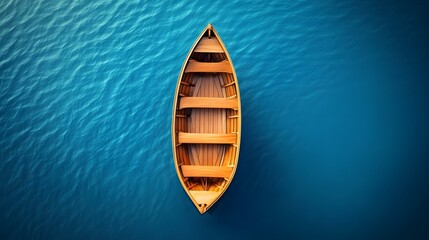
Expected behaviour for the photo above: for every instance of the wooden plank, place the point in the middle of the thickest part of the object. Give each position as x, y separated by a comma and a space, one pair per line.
209, 45
228, 84
207, 138
208, 102
204, 197
187, 84
192, 185
195, 66
206, 171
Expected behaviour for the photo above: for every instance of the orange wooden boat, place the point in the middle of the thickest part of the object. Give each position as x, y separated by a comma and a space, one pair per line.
206, 123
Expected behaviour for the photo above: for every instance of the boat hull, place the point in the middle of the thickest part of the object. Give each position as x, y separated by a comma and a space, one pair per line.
206, 123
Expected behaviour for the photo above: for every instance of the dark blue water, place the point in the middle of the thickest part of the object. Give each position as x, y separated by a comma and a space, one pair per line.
335, 141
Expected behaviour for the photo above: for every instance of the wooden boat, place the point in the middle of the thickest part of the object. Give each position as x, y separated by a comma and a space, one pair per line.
206, 123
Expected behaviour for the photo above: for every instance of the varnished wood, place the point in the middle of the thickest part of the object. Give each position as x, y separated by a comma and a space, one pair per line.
204, 197
206, 122
209, 45
206, 171
195, 66
207, 138
208, 102
228, 84
187, 84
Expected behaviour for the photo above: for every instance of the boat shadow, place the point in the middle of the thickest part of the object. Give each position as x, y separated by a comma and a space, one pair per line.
256, 186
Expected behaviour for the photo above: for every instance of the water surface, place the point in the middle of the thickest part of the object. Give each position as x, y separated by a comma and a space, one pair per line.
335, 119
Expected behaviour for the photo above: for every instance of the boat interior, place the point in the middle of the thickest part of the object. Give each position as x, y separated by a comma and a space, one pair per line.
207, 122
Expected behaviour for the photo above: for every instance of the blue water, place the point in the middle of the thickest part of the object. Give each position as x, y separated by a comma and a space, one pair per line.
335, 141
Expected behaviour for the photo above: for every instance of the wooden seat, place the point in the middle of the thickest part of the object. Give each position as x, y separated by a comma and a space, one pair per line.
204, 197
208, 45
195, 66
206, 171
206, 102
207, 138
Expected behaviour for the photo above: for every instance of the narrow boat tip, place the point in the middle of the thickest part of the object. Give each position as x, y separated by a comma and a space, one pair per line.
209, 26
202, 208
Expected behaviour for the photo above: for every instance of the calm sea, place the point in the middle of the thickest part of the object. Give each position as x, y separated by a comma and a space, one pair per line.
335, 141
